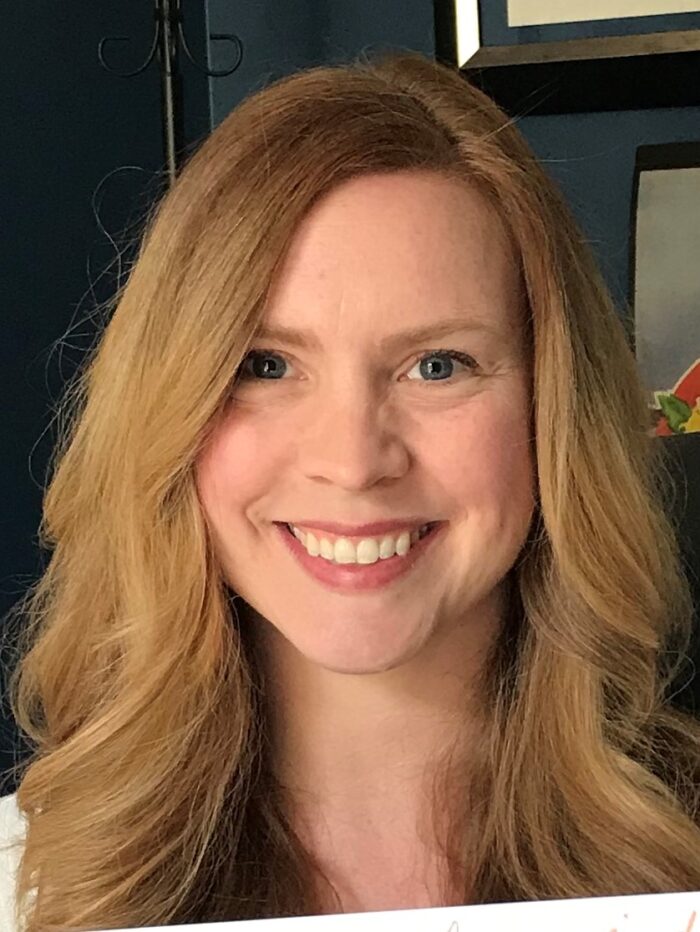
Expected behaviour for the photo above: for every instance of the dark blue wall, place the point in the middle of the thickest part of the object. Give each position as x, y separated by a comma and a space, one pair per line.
281, 37
66, 126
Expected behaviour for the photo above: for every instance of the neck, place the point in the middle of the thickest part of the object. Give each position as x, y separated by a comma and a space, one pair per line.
362, 750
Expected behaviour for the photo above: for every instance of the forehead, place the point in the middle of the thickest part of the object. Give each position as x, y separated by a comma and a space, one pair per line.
397, 251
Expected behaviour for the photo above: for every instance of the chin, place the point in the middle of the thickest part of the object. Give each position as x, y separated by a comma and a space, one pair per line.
376, 655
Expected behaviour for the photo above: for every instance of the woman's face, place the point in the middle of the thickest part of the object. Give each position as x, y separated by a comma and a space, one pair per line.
359, 421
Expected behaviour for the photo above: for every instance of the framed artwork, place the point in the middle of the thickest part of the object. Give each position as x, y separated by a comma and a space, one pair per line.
665, 282
536, 12
553, 56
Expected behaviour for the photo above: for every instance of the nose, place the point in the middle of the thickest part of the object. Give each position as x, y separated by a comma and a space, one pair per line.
352, 439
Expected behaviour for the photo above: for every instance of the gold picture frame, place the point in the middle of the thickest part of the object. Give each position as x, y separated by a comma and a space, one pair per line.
636, 70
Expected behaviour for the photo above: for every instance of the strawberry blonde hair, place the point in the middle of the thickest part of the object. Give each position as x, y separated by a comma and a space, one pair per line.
148, 793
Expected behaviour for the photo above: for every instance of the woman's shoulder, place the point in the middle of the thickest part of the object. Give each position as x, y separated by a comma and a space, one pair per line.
12, 830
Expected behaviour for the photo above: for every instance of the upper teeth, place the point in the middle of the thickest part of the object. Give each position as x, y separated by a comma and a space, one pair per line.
366, 550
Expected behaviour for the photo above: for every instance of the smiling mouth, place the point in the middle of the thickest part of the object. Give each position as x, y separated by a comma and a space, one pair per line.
422, 531
361, 552
348, 567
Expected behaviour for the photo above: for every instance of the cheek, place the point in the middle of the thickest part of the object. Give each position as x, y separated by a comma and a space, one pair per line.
485, 457
237, 465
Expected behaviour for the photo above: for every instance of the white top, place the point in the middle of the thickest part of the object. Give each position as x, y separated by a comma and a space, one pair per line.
12, 830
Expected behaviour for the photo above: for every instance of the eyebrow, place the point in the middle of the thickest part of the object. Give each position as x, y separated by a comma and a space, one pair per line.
442, 328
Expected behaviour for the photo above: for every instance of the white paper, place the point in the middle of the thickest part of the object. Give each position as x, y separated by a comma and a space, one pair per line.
541, 12
659, 912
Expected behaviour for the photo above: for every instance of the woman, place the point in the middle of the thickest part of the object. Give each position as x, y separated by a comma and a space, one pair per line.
362, 594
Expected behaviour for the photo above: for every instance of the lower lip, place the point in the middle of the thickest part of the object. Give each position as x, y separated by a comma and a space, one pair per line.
353, 577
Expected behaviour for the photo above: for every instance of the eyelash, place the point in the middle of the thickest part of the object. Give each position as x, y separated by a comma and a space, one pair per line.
464, 358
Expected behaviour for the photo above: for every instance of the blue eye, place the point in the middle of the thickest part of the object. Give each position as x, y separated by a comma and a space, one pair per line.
257, 365
268, 365
443, 370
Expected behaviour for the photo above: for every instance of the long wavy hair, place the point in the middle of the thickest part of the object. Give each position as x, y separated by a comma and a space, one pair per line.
148, 793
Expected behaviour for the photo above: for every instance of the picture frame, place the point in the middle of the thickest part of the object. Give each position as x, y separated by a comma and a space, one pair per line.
664, 282
628, 63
